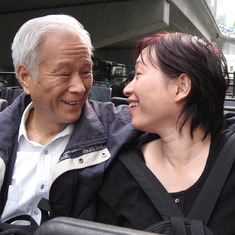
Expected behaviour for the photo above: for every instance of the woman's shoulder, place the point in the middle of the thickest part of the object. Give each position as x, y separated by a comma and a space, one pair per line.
219, 140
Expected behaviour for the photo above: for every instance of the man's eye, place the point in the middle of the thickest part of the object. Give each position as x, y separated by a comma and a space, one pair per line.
64, 75
87, 72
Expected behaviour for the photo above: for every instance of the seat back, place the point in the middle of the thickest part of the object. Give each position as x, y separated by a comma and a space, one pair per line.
229, 104
3, 104
100, 93
119, 100
6, 93
71, 226
10, 93
16, 93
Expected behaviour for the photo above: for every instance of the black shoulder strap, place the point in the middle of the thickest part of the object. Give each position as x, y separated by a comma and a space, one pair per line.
44, 206
213, 186
160, 198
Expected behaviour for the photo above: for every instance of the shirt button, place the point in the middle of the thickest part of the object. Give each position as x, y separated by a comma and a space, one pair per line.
35, 213
42, 186
177, 200
80, 160
45, 152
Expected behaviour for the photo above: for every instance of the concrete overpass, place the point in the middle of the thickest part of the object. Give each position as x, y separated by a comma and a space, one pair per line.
114, 25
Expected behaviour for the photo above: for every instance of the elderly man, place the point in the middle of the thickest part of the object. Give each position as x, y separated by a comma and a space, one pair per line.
54, 143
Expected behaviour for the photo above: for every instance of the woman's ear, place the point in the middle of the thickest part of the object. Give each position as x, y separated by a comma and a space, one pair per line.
24, 78
183, 87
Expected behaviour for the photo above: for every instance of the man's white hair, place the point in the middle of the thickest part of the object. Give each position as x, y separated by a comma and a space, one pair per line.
27, 41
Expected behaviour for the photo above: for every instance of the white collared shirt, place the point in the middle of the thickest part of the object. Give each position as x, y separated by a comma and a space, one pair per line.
33, 171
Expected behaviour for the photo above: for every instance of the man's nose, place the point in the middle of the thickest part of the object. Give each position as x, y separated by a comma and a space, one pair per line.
76, 84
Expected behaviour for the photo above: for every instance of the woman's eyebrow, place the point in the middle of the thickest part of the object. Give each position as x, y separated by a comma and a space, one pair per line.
139, 62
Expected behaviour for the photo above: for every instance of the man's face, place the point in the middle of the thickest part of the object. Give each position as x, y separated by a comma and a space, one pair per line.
64, 79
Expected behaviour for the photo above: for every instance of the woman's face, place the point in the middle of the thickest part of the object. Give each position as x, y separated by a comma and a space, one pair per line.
151, 96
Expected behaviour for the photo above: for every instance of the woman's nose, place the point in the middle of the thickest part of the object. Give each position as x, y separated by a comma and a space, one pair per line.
128, 88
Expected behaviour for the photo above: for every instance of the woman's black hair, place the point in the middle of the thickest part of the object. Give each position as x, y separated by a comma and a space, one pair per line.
205, 65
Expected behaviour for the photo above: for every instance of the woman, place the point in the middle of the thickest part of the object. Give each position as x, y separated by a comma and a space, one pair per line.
177, 94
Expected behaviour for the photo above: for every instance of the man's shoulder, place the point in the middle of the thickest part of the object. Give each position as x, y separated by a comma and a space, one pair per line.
109, 110
14, 111
18, 106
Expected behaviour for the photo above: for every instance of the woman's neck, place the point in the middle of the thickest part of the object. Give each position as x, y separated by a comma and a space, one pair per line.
177, 159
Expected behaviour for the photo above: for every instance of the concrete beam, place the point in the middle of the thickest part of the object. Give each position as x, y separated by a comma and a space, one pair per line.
194, 17
126, 19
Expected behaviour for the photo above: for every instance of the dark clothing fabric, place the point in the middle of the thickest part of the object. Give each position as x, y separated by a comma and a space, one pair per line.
123, 202
97, 137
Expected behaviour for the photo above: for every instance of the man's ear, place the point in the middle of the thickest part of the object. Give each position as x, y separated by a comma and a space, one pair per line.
183, 87
24, 77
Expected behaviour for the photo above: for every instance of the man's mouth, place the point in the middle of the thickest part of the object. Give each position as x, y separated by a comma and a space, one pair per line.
71, 102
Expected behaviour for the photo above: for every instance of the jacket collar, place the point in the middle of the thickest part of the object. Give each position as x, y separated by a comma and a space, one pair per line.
88, 130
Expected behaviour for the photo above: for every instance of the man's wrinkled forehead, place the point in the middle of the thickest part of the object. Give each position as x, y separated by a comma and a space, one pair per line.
66, 36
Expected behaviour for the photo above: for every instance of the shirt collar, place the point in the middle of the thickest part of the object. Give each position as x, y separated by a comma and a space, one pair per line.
22, 130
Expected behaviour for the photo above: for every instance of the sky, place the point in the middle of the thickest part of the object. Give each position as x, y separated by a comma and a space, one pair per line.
227, 7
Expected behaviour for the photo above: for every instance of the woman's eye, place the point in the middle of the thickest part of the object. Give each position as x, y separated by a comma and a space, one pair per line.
137, 75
